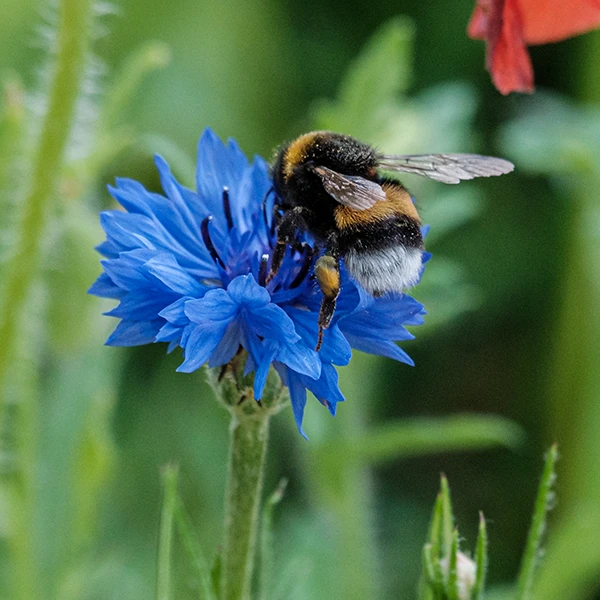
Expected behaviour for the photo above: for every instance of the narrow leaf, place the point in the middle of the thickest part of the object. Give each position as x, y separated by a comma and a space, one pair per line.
543, 503
437, 539
452, 586
481, 559
151, 56
381, 72
430, 588
266, 542
194, 550
423, 436
165, 537
448, 532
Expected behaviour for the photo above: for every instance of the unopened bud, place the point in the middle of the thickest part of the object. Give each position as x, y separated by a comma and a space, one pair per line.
466, 574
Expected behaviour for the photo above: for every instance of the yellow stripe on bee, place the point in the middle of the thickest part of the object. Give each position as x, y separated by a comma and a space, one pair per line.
328, 276
296, 152
397, 202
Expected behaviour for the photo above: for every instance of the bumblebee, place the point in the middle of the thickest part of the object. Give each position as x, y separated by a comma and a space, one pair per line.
330, 186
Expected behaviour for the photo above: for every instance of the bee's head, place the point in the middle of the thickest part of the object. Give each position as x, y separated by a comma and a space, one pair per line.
335, 151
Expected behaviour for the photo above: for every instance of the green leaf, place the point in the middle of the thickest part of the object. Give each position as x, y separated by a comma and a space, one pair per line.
422, 436
195, 552
216, 572
165, 537
481, 560
452, 586
94, 462
69, 269
430, 585
145, 59
265, 582
447, 518
373, 81
544, 501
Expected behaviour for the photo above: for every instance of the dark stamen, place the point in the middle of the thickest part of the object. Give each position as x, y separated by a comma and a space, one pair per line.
305, 267
271, 190
262, 270
227, 207
208, 242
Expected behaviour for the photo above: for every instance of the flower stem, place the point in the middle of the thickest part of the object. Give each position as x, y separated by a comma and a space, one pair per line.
73, 38
21, 271
165, 538
248, 443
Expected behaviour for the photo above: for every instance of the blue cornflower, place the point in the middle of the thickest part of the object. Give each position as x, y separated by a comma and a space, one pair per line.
189, 268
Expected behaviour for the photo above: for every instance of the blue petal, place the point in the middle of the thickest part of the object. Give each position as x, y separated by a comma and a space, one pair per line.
244, 290
104, 287
134, 333
175, 312
176, 192
216, 305
298, 399
126, 274
262, 372
128, 231
271, 321
168, 333
300, 358
140, 306
228, 346
326, 388
200, 344
380, 347
168, 271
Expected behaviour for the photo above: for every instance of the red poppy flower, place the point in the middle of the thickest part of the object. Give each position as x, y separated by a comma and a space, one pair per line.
509, 26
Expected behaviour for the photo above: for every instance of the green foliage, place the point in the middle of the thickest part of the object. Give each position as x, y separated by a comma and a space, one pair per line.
448, 574
86, 429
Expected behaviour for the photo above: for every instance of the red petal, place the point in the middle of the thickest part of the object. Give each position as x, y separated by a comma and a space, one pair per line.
553, 20
478, 25
499, 23
508, 59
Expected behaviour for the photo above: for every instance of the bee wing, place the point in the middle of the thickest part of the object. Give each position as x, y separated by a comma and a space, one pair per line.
350, 190
447, 168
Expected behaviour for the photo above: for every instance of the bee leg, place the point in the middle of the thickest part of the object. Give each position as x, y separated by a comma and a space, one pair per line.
327, 273
291, 221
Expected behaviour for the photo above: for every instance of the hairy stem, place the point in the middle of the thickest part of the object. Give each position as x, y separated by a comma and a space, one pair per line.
249, 434
73, 39
21, 271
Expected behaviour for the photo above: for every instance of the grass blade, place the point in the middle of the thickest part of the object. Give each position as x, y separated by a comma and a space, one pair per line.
481, 559
194, 550
452, 586
448, 533
265, 582
165, 536
538, 525
423, 436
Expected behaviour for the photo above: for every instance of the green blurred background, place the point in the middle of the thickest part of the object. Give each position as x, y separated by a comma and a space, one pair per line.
512, 291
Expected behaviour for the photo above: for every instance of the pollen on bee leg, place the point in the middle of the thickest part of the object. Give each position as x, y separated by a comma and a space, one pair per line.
327, 273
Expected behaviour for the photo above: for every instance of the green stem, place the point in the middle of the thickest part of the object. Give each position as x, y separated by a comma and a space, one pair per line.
249, 434
21, 271
537, 529
165, 538
73, 39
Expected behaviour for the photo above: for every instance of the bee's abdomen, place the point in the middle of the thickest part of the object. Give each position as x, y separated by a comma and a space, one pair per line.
384, 256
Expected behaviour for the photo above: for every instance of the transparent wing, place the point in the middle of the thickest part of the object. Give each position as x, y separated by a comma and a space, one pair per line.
447, 168
350, 190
